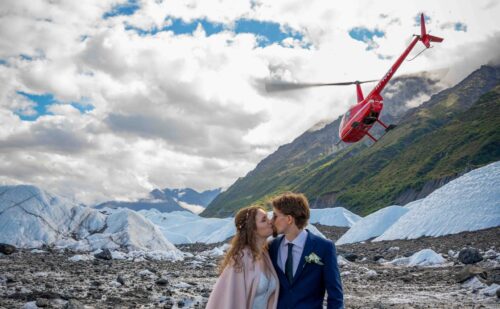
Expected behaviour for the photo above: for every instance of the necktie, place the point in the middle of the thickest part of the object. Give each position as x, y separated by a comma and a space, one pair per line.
289, 264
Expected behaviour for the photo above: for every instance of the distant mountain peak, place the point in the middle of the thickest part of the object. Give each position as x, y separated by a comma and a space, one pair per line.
169, 200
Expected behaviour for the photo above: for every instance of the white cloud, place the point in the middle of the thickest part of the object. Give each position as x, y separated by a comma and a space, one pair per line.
188, 110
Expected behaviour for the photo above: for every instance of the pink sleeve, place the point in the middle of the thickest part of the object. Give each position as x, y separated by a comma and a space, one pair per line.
229, 291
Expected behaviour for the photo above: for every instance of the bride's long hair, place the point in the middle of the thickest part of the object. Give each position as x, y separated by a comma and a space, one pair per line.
246, 227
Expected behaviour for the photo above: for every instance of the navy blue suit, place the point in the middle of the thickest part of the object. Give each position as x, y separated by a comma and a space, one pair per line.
307, 289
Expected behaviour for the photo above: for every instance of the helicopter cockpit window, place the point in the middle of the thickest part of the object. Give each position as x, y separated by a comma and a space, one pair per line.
347, 115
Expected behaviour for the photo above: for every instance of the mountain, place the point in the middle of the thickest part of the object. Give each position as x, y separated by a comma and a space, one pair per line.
168, 200
32, 218
281, 170
188, 195
450, 134
166, 204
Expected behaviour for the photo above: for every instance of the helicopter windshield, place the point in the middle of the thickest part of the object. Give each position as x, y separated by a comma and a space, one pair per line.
345, 119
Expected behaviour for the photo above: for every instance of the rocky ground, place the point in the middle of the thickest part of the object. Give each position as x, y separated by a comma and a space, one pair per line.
32, 279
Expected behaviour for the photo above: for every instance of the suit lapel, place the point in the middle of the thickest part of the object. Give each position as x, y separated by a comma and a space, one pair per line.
308, 248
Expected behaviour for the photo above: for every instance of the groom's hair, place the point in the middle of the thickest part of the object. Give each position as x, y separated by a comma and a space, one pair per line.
295, 205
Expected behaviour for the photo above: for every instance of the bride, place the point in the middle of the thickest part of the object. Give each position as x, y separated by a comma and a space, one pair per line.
247, 279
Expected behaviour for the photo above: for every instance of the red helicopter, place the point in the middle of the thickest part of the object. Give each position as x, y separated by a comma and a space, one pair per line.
359, 119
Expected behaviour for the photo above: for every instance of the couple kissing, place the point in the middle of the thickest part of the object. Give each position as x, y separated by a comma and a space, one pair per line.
294, 270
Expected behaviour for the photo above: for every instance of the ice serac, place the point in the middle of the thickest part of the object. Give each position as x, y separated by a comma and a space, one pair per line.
31, 217
182, 227
373, 225
468, 203
337, 216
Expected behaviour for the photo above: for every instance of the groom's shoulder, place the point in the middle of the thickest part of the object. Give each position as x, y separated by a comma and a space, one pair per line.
320, 240
275, 241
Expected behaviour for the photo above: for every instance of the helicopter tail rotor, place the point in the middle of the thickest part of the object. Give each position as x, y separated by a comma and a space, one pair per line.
424, 36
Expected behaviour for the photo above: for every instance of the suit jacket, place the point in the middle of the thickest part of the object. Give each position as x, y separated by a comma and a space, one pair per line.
237, 289
311, 280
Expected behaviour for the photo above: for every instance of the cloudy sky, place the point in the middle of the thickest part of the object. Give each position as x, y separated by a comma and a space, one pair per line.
107, 99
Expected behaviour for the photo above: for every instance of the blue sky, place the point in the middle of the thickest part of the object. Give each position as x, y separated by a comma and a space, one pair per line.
127, 8
267, 32
42, 102
366, 35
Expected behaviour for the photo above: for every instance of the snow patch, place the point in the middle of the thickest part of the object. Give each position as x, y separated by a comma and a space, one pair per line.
337, 216
183, 227
468, 203
425, 257
217, 251
372, 225
81, 257
196, 209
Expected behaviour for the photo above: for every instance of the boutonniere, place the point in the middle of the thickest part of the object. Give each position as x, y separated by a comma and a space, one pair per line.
313, 258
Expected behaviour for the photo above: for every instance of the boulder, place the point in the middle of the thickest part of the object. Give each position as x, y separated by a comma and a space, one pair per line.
120, 280
162, 281
470, 271
469, 256
104, 255
73, 304
42, 302
7, 249
351, 257
377, 257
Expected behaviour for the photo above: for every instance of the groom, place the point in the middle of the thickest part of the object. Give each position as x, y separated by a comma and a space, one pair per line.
306, 264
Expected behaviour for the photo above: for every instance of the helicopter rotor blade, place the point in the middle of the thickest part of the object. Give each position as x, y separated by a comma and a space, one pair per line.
275, 86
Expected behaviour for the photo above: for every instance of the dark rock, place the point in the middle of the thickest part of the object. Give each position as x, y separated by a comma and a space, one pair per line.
181, 303
162, 281
351, 257
7, 249
120, 280
498, 293
377, 257
469, 256
104, 255
42, 302
169, 304
494, 278
73, 304
470, 271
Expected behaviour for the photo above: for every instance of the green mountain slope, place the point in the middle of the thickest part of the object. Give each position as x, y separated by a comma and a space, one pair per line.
408, 160
451, 133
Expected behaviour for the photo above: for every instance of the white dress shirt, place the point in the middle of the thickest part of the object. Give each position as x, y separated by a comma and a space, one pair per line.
297, 249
